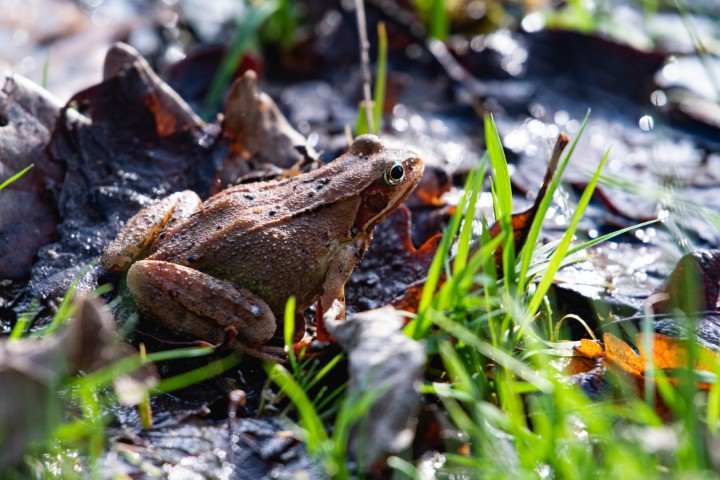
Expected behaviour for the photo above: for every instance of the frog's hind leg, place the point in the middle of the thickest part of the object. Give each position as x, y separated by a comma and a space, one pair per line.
199, 305
137, 237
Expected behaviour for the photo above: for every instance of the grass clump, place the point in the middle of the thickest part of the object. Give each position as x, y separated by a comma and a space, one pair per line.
512, 410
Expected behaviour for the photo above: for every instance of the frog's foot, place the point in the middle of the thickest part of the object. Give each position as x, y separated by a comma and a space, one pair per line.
231, 342
201, 306
137, 237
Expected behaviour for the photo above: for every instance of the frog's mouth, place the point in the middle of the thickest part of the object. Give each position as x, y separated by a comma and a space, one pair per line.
382, 197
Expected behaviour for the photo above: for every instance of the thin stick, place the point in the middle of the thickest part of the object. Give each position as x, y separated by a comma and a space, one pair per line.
365, 61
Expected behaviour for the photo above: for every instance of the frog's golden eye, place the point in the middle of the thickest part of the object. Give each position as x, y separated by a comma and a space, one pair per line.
394, 174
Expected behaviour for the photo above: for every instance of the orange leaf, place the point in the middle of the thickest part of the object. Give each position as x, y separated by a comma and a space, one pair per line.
588, 348
672, 352
621, 355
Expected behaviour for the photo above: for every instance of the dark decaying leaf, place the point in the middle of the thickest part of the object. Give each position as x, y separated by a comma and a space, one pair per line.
124, 141
28, 216
384, 362
391, 265
33, 370
694, 284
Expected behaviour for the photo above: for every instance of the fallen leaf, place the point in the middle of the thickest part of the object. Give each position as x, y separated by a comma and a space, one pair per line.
257, 135
28, 207
619, 354
393, 270
589, 349
32, 370
384, 360
694, 284
668, 353
671, 352
124, 141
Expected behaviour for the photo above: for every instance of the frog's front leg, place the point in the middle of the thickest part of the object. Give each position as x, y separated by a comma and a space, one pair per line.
204, 307
136, 238
331, 305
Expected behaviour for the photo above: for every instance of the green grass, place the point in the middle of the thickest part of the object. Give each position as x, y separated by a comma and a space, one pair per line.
513, 412
15, 177
245, 39
362, 126
436, 17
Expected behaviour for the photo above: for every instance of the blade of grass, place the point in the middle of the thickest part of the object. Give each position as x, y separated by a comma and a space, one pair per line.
495, 354
380, 77
23, 322
439, 20
16, 176
246, 32
362, 125
316, 435
420, 325
197, 375
564, 245
289, 333
500, 174
536, 227
46, 68
105, 375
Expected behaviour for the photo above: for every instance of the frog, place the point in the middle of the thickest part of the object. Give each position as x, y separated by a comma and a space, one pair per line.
226, 267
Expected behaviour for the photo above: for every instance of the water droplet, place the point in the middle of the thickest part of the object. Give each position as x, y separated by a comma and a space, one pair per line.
400, 124
646, 123
413, 51
476, 10
671, 72
552, 131
537, 110
572, 126
561, 117
658, 98
533, 22
399, 110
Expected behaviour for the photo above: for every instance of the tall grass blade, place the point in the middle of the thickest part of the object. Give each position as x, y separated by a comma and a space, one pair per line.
536, 227
380, 78
246, 33
309, 419
563, 247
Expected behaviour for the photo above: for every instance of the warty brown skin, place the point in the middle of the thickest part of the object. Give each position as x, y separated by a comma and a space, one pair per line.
234, 260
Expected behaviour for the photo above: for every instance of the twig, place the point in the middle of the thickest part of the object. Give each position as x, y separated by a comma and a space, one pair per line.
365, 61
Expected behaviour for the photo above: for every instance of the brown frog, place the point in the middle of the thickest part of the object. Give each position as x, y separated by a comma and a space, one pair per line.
232, 262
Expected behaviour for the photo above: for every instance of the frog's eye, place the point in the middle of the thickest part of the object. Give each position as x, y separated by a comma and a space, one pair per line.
394, 174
